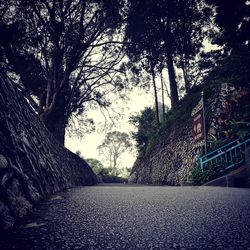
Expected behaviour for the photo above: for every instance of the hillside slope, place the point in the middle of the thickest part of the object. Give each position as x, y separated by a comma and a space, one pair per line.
172, 157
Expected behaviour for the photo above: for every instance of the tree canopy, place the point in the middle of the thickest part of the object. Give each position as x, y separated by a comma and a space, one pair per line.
67, 56
233, 22
66, 53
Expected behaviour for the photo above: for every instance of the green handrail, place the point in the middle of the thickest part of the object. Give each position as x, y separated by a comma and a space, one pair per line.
231, 154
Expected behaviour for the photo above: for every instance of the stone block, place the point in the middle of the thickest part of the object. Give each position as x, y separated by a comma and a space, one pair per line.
6, 219
3, 162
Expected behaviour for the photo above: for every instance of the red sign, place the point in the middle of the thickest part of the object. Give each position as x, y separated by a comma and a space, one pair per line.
198, 127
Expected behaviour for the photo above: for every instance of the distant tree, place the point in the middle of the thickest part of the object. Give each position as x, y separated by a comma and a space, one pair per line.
125, 172
96, 165
66, 53
113, 146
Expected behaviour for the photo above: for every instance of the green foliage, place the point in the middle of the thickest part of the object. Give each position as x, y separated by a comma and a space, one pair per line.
104, 174
216, 144
211, 172
234, 69
183, 110
215, 169
146, 125
107, 178
96, 166
147, 130
236, 129
197, 177
232, 19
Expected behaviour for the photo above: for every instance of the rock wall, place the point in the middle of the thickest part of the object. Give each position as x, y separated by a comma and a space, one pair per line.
170, 160
32, 163
173, 155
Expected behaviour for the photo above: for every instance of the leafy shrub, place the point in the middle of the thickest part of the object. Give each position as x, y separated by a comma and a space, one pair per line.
147, 130
197, 176
212, 170
107, 178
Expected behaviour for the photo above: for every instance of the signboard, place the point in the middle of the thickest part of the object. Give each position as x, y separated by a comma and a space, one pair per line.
198, 126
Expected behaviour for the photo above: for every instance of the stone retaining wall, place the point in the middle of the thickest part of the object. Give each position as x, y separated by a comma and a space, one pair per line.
32, 163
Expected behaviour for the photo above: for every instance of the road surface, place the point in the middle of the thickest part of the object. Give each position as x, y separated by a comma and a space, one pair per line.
137, 217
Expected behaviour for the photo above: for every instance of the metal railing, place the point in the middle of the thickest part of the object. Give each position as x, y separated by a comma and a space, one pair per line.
229, 155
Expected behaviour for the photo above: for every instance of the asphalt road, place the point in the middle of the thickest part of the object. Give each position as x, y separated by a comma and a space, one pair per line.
138, 217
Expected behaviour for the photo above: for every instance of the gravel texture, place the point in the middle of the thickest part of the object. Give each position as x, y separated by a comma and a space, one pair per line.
137, 217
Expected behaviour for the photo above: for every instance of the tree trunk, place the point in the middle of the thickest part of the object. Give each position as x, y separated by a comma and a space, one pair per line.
170, 64
155, 94
162, 97
56, 120
56, 124
186, 78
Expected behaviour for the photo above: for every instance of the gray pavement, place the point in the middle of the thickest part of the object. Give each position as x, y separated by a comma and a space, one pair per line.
137, 217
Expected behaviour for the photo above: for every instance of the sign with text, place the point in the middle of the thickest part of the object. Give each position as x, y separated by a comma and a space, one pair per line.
198, 127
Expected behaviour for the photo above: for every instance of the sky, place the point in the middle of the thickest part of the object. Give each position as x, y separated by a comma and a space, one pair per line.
138, 100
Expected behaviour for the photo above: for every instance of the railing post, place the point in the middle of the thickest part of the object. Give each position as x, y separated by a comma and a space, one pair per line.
226, 159
201, 165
